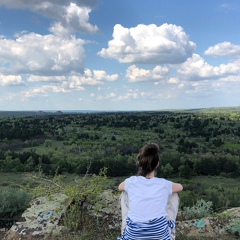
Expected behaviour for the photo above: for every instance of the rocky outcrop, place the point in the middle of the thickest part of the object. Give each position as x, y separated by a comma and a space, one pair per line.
41, 219
108, 208
212, 227
209, 226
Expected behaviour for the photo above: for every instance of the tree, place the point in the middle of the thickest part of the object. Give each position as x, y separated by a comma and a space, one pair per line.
48, 143
185, 171
166, 170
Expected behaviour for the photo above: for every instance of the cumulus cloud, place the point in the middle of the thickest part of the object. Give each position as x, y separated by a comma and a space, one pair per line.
44, 91
76, 82
231, 79
75, 19
95, 77
173, 80
196, 68
135, 94
36, 92
61, 84
153, 44
130, 94
41, 55
11, 80
113, 96
58, 30
102, 75
224, 49
35, 78
157, 95
135, 74
72, 15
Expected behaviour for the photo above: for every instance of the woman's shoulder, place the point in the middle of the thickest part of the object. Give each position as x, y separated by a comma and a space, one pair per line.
163, 180
133, 178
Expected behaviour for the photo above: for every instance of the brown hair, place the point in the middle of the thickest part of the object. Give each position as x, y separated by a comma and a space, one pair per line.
148, 159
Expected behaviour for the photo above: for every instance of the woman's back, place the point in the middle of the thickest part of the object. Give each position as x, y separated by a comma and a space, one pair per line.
147, 197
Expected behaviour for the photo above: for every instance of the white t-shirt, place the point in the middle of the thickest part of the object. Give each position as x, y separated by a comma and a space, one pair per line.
147, 197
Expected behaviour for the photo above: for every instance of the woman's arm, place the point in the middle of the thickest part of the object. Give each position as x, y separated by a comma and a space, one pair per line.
121, 186
177, 187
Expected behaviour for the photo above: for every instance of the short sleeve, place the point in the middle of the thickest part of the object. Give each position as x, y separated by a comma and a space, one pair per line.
169, 186
128, 182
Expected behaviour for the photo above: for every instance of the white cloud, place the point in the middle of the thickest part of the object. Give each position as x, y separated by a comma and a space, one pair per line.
173, 80
167, 43
74, 16
200, 87
41, 55
135, 74
196, 68
152, 95
57, 89
35, 78
224, 49
95, 77
38, 5
60, 84
11, 80
113, 96
44, 91
35, 92
129, 95
58, 30
231, 79
102, 75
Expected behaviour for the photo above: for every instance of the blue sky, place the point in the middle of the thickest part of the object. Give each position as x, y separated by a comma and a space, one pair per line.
119, 55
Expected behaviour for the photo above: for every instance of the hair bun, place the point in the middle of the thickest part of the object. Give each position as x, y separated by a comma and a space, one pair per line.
151, 149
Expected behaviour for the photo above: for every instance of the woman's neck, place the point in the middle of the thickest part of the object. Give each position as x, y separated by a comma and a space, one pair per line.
150, 175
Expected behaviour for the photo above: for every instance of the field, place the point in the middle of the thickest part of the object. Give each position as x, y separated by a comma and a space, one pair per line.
19, 180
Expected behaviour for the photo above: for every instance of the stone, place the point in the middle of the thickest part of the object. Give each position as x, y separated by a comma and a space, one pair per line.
209, 228
40, 219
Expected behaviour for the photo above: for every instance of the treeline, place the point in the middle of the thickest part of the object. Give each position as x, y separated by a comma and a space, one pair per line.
51, 163
192, 143
210, 164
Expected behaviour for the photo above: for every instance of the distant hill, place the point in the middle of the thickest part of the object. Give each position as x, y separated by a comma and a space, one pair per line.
41, 113
17, 113
217, 109
59, 112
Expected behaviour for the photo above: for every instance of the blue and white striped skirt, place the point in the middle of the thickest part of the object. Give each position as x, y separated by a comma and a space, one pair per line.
156, 229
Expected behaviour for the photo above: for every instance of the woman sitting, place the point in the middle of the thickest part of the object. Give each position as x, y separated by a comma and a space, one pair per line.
148, 203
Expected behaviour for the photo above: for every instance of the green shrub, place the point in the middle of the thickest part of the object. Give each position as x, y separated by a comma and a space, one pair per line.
199, 210
83, 193
188, 198
13, 201
234, 227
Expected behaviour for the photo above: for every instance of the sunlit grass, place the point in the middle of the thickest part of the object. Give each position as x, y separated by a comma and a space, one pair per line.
209, 181
231, 145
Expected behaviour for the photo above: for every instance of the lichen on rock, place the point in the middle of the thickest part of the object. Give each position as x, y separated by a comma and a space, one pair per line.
41, 218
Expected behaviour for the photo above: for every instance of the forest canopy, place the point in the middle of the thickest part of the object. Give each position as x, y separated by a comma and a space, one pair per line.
192, 142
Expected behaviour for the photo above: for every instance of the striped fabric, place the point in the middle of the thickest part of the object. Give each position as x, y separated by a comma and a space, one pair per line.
156, 229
